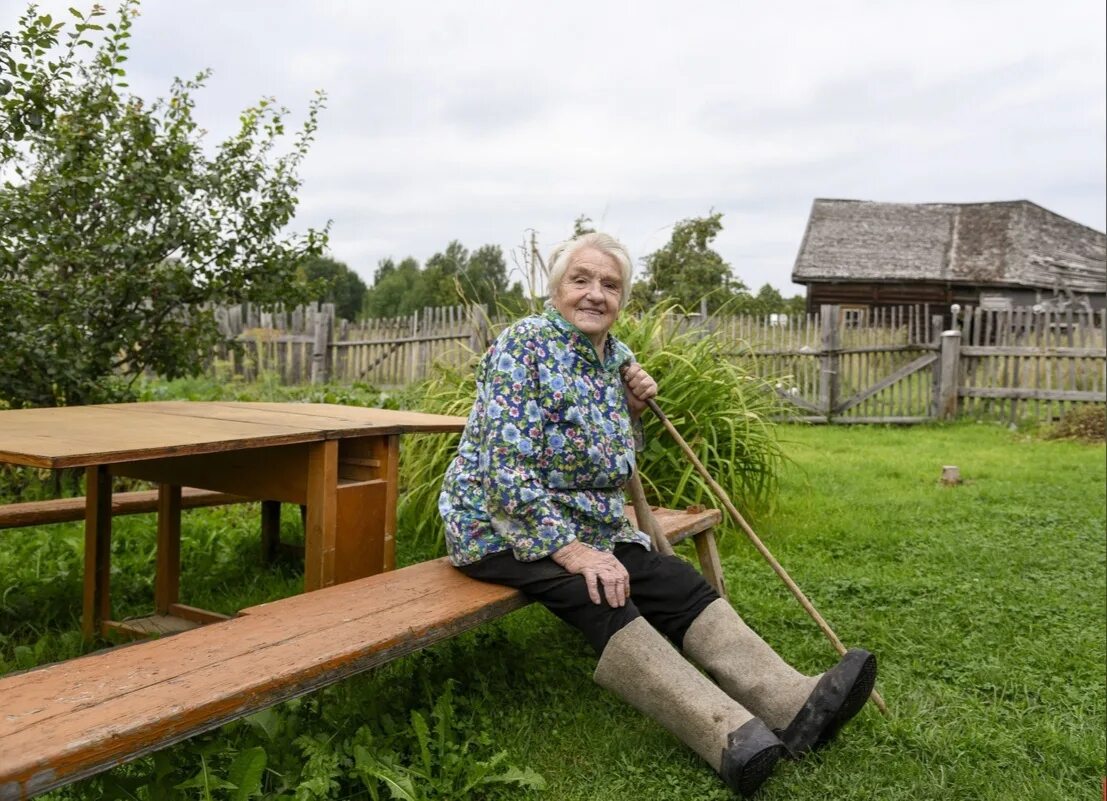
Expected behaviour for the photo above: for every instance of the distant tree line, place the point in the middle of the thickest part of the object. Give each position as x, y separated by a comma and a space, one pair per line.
451, 277
686, 270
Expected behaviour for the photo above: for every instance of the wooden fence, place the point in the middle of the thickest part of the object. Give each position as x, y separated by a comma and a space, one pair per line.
841, 365
308, 344
1021, 363
847, 367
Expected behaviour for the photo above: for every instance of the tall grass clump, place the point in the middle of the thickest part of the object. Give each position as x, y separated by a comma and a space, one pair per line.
723, 411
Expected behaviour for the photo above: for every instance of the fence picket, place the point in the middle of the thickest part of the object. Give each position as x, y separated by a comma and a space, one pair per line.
1014, 364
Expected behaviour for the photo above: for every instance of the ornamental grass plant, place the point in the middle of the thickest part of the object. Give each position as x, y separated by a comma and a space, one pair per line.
724, 412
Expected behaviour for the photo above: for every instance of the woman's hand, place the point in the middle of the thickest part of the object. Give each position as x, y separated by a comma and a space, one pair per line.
640, 387
598, 568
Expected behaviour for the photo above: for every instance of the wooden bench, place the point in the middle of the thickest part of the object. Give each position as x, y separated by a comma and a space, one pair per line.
71, 510
70, 720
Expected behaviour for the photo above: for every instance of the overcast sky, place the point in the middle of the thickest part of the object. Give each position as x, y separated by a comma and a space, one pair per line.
479, 120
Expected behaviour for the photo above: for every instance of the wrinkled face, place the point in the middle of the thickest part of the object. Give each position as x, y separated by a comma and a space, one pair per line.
589, 293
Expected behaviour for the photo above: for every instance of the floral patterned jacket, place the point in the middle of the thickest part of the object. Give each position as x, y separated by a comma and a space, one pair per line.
546, 450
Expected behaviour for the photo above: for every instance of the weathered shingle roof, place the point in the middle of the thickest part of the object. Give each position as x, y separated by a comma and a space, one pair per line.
1013, 243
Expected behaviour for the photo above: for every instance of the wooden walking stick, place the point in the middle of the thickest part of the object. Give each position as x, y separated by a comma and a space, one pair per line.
757, 543
646, 521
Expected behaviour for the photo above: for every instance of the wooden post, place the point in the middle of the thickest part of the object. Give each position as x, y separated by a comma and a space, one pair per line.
97, 588
710, 564
950, 370
167, 579
424, 344
410, 352
828, 360
319, 349
474, 328
951, 475
388, 450
321, 518
936, 375
478, 335
270, 530
485, 328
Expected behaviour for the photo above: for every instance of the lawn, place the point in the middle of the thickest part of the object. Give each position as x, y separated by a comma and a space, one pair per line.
985, 603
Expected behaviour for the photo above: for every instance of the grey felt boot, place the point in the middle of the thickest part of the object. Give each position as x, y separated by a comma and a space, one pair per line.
642, 667
805, 711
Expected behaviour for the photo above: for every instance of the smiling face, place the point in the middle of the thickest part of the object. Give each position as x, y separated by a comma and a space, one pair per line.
589, 294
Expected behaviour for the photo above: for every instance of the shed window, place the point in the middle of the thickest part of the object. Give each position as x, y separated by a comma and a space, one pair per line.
854, 316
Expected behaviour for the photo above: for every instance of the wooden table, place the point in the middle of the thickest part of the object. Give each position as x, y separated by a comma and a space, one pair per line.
340, 462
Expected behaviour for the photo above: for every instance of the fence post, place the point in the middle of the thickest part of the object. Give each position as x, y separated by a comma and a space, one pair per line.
828, 360
950, 374
411, 351
478, 336
424, 344
935, 339
319, 349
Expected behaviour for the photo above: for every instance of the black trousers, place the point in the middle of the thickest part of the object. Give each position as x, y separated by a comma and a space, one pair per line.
666, 590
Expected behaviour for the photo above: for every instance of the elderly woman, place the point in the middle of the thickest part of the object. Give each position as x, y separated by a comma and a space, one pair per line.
534, 500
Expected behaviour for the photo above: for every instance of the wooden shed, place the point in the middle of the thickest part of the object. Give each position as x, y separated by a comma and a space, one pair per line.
863, 254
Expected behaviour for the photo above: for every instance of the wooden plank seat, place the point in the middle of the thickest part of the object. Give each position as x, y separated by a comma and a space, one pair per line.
70, 510
70, 720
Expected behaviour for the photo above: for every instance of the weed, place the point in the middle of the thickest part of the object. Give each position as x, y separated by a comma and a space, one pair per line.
1087, 423
441, 763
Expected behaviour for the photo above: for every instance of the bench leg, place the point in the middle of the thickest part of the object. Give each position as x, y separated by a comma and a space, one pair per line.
270, 530
96, 606
167, 581
710, 564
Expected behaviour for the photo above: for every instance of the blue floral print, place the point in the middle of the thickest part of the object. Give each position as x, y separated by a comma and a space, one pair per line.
547, 448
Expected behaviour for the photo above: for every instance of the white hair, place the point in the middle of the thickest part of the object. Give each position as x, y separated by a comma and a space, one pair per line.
562, 256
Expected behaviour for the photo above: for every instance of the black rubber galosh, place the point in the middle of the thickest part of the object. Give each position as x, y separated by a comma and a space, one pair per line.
750, 754
840, 694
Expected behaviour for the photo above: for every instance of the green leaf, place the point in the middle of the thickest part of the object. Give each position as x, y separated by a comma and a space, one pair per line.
206, 781
24, 657
401, 787
267, 721
246, 772
526, 777
422, 734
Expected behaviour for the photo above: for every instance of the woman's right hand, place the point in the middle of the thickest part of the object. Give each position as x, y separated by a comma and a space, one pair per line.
598, 568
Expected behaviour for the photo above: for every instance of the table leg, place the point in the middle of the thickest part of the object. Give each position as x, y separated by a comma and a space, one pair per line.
270, 530
167, 582
322, 515
97, 586
390, 470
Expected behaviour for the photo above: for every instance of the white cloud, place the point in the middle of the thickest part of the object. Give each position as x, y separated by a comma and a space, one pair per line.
479, 120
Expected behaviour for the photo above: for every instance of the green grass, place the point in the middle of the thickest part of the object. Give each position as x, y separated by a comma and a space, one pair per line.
984, 602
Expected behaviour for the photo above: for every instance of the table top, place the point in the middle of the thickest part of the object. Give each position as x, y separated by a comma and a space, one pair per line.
78, 436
